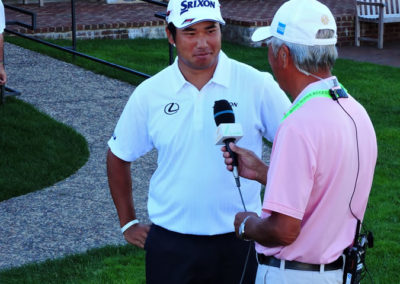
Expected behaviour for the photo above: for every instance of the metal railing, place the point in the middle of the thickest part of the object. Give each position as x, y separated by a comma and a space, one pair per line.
32, 26
73, 49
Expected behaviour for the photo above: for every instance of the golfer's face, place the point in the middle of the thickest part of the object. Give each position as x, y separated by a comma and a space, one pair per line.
198, 45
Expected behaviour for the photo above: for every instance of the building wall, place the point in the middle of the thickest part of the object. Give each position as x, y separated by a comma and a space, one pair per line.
231, 32
234, 30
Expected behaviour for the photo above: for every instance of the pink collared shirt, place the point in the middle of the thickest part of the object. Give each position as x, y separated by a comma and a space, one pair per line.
313, 172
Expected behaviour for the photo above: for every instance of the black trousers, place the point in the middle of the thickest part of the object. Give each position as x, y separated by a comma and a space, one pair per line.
173, 258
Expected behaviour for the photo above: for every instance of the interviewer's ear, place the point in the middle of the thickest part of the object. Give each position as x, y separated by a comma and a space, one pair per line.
283, 55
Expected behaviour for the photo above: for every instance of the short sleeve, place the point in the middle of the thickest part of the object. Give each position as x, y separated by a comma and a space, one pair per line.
291, 175
130, 139
2, 18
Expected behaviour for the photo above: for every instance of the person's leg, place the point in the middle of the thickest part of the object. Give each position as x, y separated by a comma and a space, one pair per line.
233, 264
261, 275
173, 258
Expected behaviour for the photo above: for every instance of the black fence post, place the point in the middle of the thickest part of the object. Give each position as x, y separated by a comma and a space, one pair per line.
73, 24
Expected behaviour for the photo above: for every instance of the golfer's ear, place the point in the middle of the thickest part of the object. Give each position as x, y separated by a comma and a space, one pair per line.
169, 36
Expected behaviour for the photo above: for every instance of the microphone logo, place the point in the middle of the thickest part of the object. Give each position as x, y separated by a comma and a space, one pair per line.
171, 108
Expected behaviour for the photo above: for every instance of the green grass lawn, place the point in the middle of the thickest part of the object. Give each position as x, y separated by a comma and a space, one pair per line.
111, 264
36, 151
376, 87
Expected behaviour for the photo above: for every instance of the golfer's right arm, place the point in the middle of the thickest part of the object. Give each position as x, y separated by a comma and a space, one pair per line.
120, 183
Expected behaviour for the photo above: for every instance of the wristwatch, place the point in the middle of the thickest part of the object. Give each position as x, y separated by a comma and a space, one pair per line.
241, 229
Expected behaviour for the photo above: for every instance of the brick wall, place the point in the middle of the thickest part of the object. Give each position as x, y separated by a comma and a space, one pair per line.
391, 31
235, 31
106, 33
346, 31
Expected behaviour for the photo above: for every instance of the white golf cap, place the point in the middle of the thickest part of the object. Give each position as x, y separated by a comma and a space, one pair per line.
183, 13
298, 21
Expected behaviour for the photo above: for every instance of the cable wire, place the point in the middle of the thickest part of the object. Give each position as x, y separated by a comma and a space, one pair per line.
355, 186
358, 162
241, 198
250, 243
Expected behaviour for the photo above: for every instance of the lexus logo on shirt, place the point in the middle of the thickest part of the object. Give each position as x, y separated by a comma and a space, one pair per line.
171, 108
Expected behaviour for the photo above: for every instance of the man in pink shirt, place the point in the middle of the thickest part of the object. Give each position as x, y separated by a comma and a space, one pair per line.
323, 157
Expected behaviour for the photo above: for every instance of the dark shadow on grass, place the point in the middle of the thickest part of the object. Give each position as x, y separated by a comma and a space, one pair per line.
36, 150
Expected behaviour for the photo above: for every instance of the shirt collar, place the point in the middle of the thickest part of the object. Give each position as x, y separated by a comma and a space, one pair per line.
223, 70
324, 84
178, 80
221, 74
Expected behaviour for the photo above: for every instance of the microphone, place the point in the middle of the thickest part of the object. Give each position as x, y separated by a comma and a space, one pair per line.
228, 131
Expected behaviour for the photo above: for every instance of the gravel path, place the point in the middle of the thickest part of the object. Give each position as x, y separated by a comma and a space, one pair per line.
77, 213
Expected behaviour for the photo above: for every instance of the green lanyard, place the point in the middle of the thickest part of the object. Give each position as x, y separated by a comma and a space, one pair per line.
306, 98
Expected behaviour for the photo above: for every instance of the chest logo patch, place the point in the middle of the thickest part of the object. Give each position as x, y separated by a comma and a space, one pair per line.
171, 108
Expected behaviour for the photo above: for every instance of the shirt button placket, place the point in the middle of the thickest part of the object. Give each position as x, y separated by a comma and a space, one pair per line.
198, 111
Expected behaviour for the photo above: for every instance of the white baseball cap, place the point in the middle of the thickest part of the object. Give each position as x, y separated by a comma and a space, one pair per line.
183, 13
298, 21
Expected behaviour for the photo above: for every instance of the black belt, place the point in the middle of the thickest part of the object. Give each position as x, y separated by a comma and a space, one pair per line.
295, 265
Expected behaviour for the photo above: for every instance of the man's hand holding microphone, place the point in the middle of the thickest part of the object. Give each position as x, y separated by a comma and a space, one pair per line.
240, 161
249, 165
